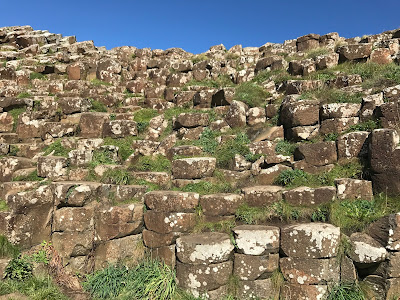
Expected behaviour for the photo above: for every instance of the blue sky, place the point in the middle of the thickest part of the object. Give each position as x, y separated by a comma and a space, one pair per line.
197, 25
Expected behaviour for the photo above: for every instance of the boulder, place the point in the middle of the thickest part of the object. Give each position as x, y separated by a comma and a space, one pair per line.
171, 201
256, 239
353, 144
236, 115
317, 154
262, 195
348, 188
310, 240
365, 250
301, 291
355, 51
252, 267
299, 112
166, 222
204, 248
53, 167
340, 110
220, 204
257, 289
190, 120
193, 168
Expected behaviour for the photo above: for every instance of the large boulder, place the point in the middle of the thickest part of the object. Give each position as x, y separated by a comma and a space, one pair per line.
317, 154
171, 201
193, 168
256, 239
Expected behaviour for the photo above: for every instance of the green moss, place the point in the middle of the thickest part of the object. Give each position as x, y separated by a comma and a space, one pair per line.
333, 95
23, 95
58, 148
15, 112
124, 145
97, 106
98, 82
158, 163
3, 205
198, 58
35, 75
313, 53
206, 187
102, 157
285, 148
143, 117
251, 94
7, 250
30, 177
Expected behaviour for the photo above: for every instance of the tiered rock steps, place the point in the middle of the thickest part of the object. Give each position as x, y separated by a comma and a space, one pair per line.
78, 122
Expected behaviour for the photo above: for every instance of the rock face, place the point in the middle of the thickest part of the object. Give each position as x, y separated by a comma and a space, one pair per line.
218, 164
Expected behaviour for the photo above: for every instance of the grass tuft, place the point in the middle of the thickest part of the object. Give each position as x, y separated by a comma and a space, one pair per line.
252, 94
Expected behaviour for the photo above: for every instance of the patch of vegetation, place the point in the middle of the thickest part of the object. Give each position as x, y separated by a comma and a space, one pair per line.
143, 117
346, 291
57, 149
36, 288
220, 226
150, 279
14, 149
23, 95
331, 137
219, 82
158, 163
15, 112
35, 75
225, 152
313, 53
296, 178
102, 156
278, 76
124, 145
3, 207
198, 58
98, 82
206, 187
97, 106
252, 94
285, 148
369, 125
207, 140
33, 176
116, 176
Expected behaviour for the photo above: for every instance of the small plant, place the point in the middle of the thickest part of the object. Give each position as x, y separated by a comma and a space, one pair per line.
102, 156
13, 150
15, 112
143, 117
369, 125
6, 248
251, 94
124, 145
98, 82
33, 176
331, 137
23, 95
3, 205
97, 106
207, 141
57, 149
116, 176
198, 58
35, 75
346, 291
205, 188
285, 148
313, 53
158, 163
321, 214
287, 177
19, 269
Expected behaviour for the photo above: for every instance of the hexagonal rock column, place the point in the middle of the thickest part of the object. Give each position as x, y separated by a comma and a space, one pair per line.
310, 264
257, 258
204, 262
170, 213
193, 168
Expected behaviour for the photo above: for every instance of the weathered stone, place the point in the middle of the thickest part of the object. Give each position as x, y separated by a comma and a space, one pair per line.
340, 110
204, 248
119, 221
355, 51
307, 42
369, 103
318, 154
192, 168
305, 196
201, 278
91, 124
71, 244
6, 122
348, 272
255, 116
184, 150
220, 204
262, 195
353, 144
310, 240
190, 120
365, 250
119, 128
299, 112
251, 267
153, 239
236, 115
304, 292
269, 175
53, 167
392, 93
300, 133
393, 288
164, 222
381, 56
71, 219
327, 61
337, 125
165, 254
309, 271
348, 188
256, 239
127, 249
171, 201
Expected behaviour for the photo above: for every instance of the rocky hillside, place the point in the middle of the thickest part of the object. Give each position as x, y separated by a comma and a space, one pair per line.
257, 172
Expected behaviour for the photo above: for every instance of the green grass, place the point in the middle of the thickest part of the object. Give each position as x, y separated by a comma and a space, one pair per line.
313, 53
198, 58
346, 291
219, 226
35, 75
33, 176
15, 112
58, 148
296, 178
3, 205
23, 95
251, 94
36, 288
206, 187
97, 106
332, 95
285, 148
143, 117
278, 76
207, 140
150, 279
98, 82
158, 163
116, 176
124, 145
102, 157
369, 125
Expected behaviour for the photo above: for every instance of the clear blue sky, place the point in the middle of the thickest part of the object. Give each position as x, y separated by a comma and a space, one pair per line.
197, 25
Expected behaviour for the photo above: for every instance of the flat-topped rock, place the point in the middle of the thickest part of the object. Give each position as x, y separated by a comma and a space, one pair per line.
310, 240
171, 201
193, 168
365, 250
256, 239
220, 204
204, 248
262, 195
